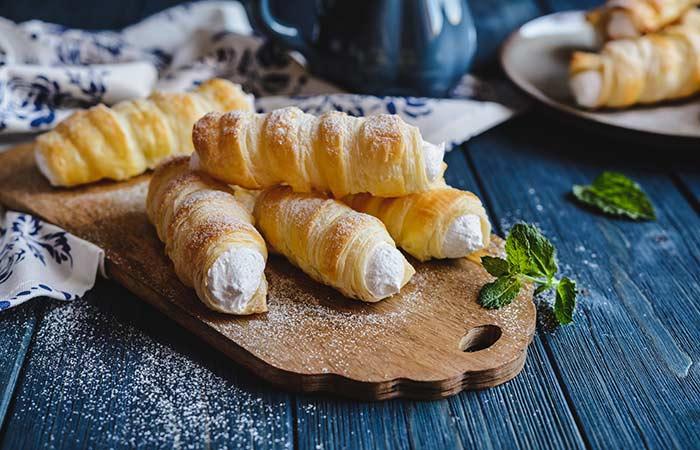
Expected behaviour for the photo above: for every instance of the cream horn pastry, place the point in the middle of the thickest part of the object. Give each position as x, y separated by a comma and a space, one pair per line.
210, 238
132, 136
625, 19
334, 153
332, 243
441, 223
649, 69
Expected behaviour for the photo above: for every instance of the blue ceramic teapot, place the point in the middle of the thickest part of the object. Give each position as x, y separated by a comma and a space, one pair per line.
384, 47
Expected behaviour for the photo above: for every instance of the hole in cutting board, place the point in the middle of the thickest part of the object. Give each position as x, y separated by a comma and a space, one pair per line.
480, 338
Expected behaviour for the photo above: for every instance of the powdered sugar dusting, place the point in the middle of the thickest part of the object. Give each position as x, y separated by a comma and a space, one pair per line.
131, 388
383, 128
301, 209
312, 329
334, 332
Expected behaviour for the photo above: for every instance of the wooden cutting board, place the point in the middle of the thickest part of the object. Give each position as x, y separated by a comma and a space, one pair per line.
431, 341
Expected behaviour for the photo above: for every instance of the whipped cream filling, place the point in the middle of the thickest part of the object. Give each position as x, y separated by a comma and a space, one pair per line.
384, 271
234, 278
44, 167
463, 236
620, 26
432, 159
586, 87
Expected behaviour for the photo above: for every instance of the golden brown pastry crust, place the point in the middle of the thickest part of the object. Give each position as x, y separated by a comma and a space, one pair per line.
333, 153
647, 16
323, 237
199, 219
418, 222
649, 69
133, 136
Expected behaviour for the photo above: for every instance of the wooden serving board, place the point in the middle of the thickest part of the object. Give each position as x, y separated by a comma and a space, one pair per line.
312, 339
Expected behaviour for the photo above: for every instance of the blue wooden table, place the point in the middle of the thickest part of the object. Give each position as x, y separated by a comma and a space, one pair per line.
108, 371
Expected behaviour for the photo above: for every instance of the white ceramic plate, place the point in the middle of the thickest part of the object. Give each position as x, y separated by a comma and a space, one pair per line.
536, 58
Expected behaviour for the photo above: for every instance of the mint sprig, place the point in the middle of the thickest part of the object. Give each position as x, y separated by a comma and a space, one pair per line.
530, 257
565, 301
499, 293
615, 194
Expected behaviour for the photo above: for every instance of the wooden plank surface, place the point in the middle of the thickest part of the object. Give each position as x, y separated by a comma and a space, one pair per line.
513, 412
690, 185
109, 371
528, 411
629, 365
617, 402
16, 331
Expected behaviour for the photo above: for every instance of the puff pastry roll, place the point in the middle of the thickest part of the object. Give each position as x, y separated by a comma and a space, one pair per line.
332, 243
691, 18
132, 136
622, 19
652, 68
333, 153
442, 223
210, 238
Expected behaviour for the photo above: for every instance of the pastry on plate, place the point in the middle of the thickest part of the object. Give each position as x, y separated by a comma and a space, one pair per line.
210, 238
332, 243
132, 136
334, 153
623, 19
648, 69
441, 223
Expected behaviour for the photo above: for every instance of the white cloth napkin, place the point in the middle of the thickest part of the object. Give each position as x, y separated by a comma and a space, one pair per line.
39, 259
440, 120
48, 71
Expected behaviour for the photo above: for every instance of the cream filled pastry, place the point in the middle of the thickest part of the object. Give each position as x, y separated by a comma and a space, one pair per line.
384, 273
332, 243
628, 19
234, 278
210, 238
586, 87
132, 136
441, 223
652, 68
621, 26
463, 236
333, 153
433, 156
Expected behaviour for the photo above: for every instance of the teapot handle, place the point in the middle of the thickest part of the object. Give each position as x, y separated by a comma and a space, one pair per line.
288, 35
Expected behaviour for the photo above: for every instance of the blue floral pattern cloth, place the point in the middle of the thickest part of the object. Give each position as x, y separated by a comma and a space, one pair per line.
39, 259
47, 71
452, 121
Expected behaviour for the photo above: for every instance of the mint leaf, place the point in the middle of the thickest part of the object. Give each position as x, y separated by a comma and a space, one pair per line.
565, 301
531, 258
495, 266
614, 193
529, 252
541, 288
499, 293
